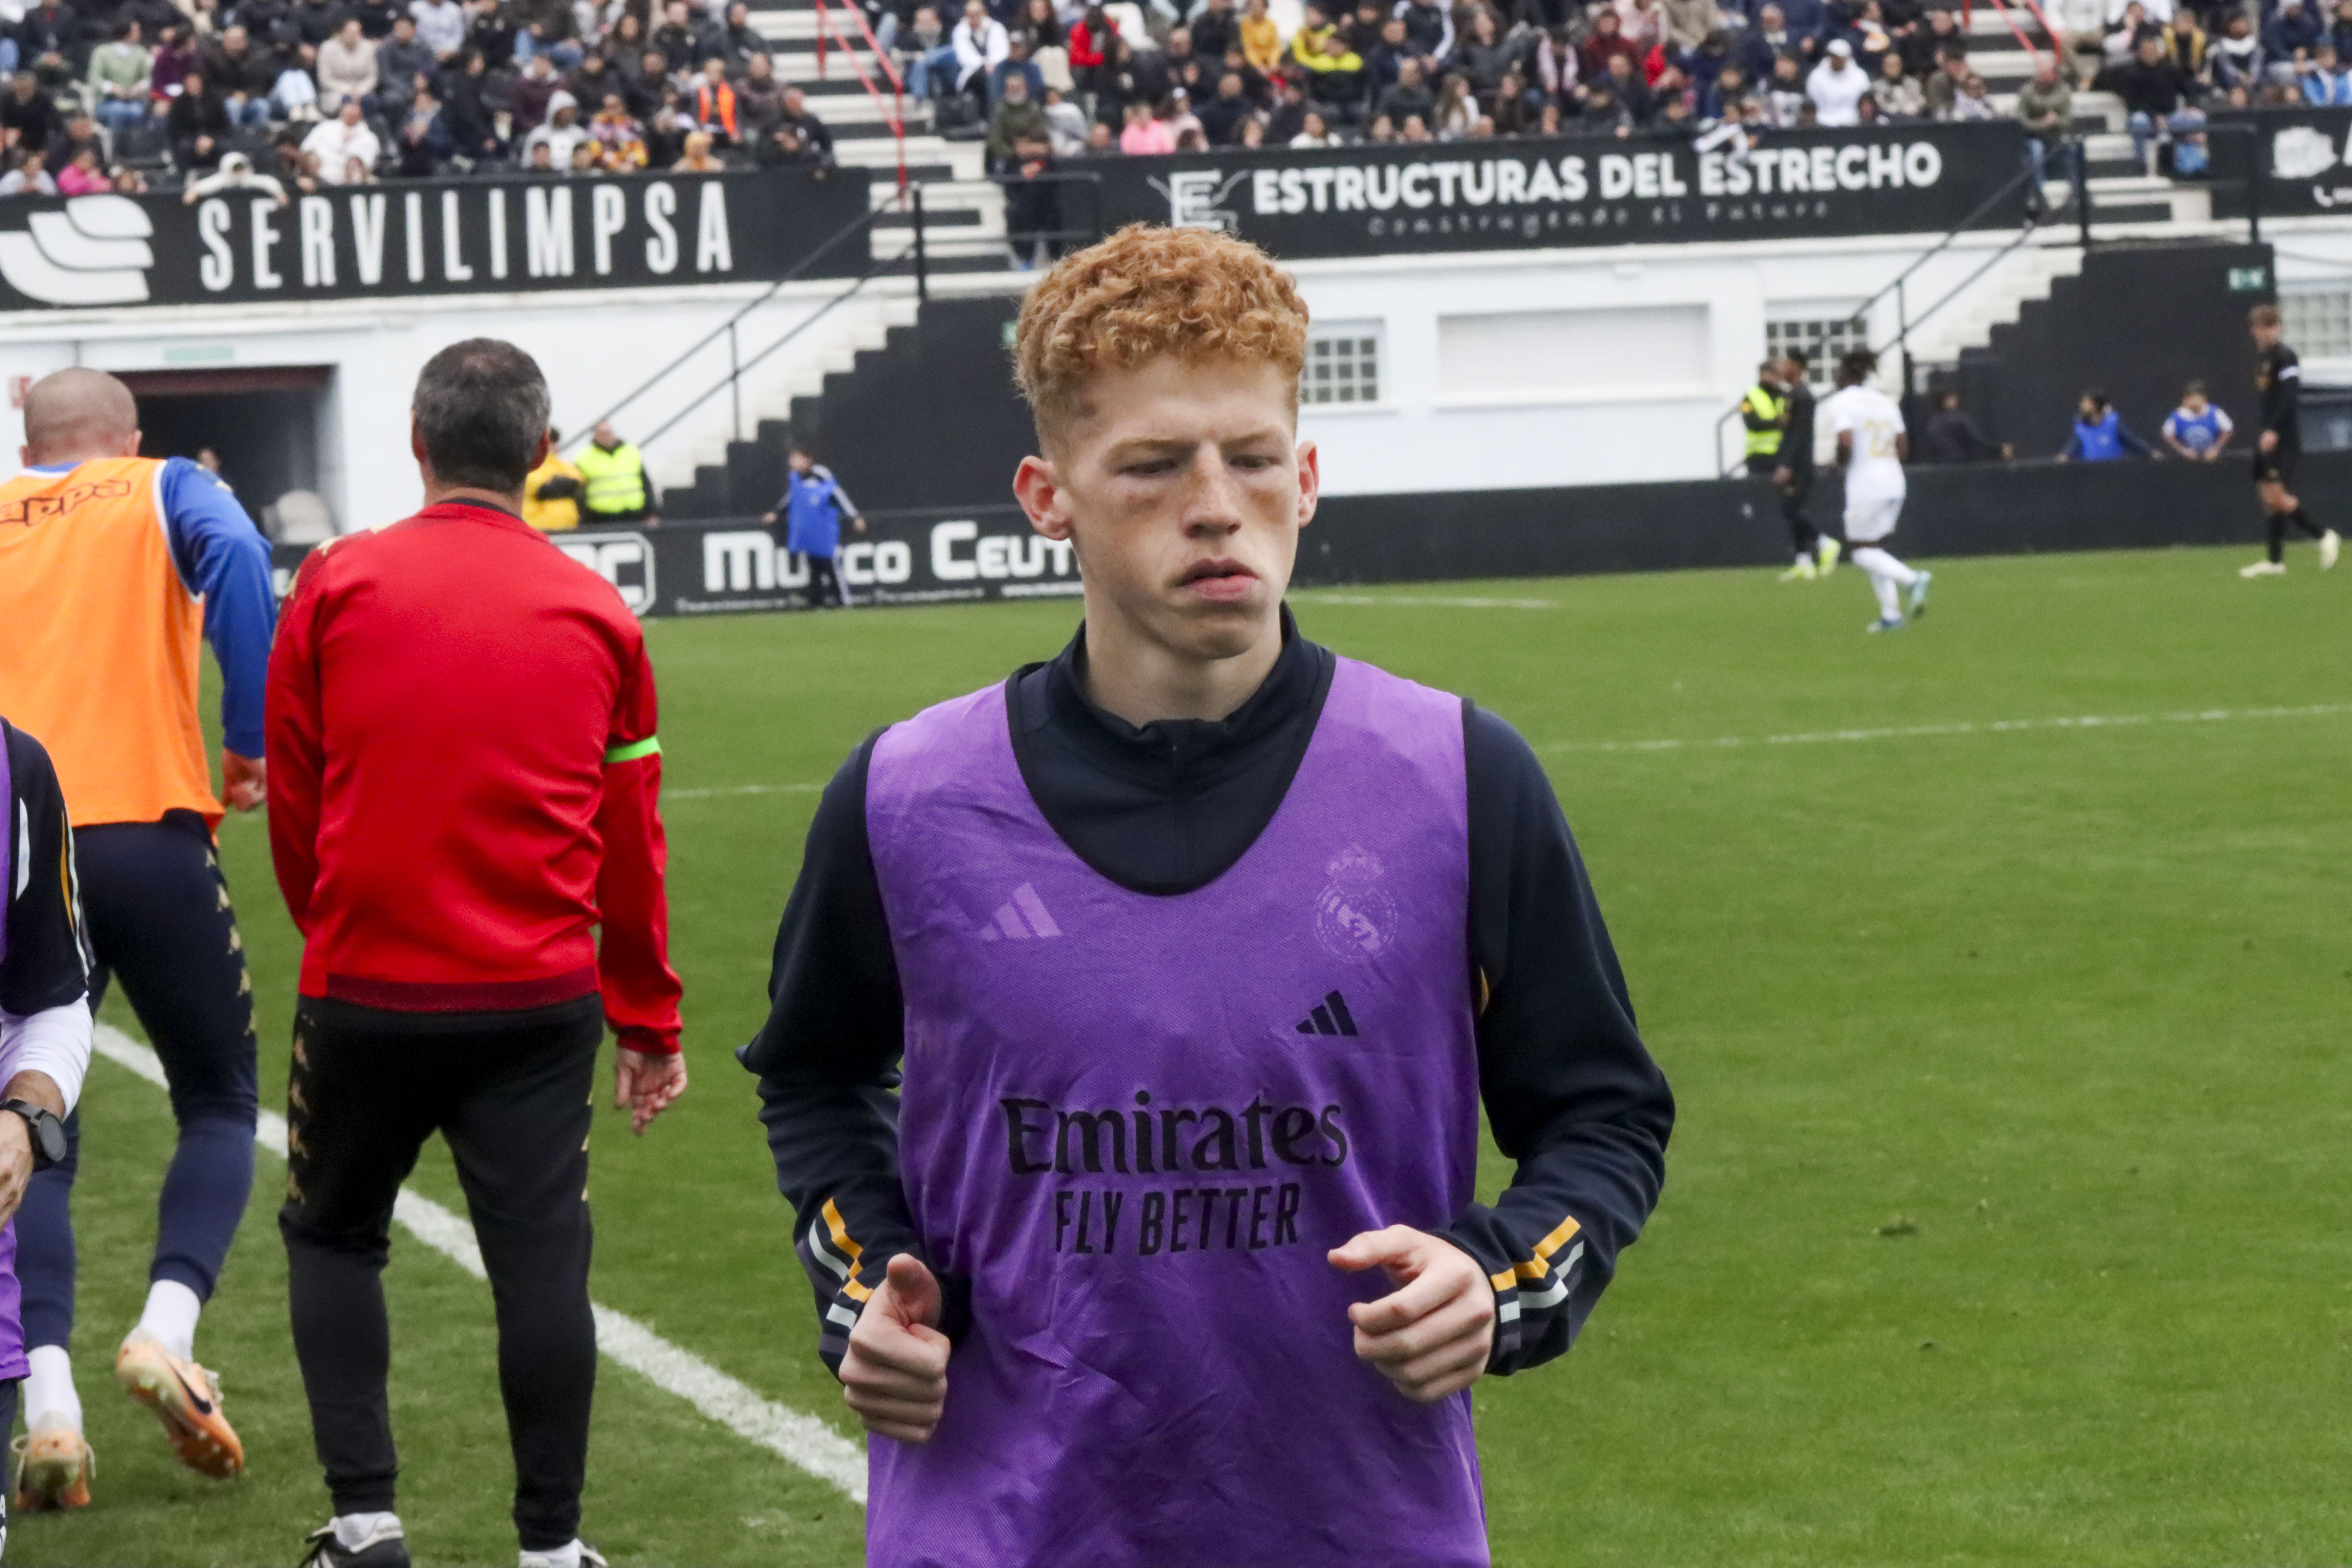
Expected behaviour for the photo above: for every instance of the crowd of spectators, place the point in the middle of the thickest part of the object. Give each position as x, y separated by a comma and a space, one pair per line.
110, 94
288, 95
1059, 79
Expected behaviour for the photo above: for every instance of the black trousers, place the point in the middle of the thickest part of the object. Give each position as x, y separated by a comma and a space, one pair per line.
823, 578
159, 919
1801, 531
511, 1092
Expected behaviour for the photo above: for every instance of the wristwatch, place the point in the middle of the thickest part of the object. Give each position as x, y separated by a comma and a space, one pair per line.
48, 1132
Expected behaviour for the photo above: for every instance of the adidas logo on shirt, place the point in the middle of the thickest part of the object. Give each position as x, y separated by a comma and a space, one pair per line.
1021, 917
1330, 1017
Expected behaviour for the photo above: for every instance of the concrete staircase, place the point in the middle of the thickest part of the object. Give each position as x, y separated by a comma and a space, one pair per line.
831, 346
1997, 301
2126, 200
963, 209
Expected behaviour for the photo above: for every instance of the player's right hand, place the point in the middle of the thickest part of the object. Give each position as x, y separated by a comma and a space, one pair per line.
895, 1375
16, 1164
243, 780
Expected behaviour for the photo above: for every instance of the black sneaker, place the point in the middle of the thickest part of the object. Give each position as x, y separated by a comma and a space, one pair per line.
385, 1547
589, 1558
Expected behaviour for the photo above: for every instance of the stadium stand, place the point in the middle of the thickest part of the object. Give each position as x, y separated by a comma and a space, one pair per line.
881, 84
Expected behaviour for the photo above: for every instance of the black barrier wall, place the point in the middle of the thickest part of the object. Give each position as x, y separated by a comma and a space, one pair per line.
2301, 156
1576, 191
988, 553
2094, 330
429, 237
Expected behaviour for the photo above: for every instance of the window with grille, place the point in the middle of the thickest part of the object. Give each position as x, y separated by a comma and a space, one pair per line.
1822, 343
2317, 326
1343, 364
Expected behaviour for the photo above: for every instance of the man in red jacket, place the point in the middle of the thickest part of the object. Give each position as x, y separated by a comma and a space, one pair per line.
464, 775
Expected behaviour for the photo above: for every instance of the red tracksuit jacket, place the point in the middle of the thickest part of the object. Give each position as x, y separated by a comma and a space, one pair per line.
463, 777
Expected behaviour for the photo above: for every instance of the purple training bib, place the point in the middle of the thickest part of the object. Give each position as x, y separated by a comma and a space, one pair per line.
12, 1318
1137, 1123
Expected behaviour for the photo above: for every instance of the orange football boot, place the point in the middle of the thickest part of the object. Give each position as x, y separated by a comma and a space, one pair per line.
54, 1467
186, 1399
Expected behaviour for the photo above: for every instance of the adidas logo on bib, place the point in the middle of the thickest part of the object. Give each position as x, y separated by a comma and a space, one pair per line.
1330, 1017
1021, 917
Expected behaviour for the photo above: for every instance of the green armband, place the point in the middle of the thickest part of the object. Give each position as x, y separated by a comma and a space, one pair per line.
648, 747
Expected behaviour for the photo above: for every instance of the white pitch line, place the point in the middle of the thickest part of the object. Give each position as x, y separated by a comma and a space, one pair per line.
1809, 737
802, 1440
724, 790
1430, 602
1991, 726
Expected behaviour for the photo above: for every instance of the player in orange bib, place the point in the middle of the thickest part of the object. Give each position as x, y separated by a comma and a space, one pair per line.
112, 567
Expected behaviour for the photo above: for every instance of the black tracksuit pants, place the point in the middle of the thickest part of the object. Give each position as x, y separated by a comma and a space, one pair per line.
1802, 534
511, 1092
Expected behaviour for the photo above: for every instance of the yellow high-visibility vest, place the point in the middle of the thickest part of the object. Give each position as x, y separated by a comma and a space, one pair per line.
1765, 403
550, 516
615, 479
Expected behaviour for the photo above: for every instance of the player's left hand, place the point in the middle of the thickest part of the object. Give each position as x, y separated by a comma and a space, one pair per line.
646, 1084
245, 781
2269, 441
1432, 1335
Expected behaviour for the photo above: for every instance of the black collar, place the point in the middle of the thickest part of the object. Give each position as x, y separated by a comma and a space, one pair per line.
1289, 690
1060, 737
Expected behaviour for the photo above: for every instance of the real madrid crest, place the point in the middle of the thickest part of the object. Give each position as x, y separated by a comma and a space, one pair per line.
1355, 919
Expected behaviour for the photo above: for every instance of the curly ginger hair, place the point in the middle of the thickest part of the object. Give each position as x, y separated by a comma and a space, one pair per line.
1145, 293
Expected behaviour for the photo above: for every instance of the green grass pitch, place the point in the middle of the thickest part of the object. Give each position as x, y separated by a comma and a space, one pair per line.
2004, 1221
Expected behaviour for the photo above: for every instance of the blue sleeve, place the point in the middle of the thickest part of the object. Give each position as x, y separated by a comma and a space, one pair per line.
2073, 448
223, 556
2132, 442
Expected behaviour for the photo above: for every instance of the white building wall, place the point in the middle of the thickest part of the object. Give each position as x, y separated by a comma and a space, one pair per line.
1678, 334
1498, 370
2315, 256
594, 349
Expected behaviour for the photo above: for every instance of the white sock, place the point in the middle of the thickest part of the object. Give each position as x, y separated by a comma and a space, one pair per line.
171, 1316
1879, 564
566, 1556
50, 1396
1890, 601
352, 1530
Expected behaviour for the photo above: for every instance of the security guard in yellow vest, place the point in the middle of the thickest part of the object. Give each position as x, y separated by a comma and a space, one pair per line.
618, 488
551, 495
1765, 412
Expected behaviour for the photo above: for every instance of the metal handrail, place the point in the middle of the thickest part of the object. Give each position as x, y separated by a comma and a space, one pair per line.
2029, 172
726, 328
895, 115
735, 370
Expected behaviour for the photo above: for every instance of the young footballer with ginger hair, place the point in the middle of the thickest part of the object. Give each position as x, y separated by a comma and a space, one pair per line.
1130, 1018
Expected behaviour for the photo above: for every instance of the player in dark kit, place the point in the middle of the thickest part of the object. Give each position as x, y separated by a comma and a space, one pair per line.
1817, 553
2278, 376
1130, 1019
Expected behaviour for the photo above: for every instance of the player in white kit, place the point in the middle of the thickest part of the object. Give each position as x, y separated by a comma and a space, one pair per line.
1872, 445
